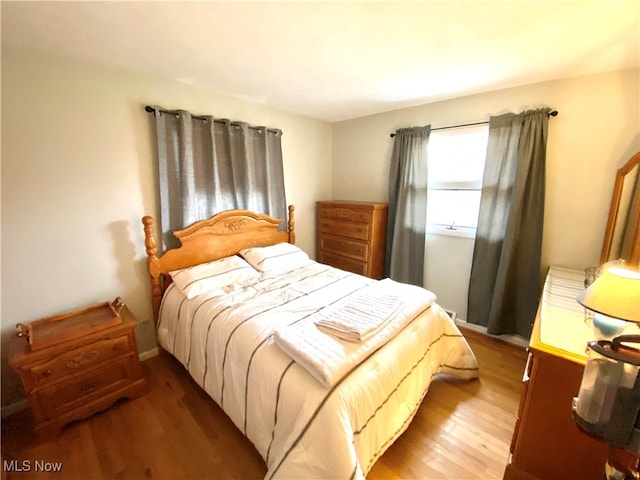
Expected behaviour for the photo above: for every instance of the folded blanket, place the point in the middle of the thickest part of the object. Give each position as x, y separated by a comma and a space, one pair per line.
329, 358
360, 317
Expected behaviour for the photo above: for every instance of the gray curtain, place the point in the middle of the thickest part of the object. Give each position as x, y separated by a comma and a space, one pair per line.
407, 216
206, 165
505, 272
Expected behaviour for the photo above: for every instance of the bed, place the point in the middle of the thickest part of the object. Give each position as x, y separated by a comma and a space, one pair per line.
315, 405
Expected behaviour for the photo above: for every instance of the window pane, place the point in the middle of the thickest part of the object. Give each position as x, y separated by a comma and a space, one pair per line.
458, 207
456, 166
458, 155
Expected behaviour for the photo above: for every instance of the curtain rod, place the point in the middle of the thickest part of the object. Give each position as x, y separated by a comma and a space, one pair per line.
551, 114
150, 109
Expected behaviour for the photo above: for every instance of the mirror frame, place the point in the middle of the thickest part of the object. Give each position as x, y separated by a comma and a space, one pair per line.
613, 216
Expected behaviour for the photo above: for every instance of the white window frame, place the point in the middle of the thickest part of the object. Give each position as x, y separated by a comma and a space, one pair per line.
476, 185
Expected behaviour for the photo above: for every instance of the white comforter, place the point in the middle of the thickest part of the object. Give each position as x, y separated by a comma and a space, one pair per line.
329, 358
301, 428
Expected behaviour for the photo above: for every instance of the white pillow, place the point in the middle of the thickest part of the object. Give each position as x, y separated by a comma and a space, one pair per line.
279, 258
218, 276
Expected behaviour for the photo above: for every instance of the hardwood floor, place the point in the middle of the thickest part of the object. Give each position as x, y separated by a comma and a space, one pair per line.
461, 431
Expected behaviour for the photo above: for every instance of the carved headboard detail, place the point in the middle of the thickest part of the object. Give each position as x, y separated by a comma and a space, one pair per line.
222, 235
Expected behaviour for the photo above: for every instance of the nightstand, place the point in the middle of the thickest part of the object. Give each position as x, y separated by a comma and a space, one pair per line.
76, 364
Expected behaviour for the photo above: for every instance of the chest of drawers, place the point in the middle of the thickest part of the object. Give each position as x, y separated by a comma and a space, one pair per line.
352, 236
547, 444
79, 376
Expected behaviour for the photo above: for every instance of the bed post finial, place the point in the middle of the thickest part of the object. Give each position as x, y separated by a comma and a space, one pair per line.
149, 239
291, 226
152, 264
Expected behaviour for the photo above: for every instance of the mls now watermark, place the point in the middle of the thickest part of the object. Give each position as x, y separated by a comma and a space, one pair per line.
31, 466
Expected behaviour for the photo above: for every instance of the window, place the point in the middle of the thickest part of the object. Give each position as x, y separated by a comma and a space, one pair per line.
456, 165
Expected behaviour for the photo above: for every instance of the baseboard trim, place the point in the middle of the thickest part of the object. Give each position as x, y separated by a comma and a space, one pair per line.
515, 340
149, 354
16, 407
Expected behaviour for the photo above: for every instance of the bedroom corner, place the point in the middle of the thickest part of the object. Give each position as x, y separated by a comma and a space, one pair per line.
73, 199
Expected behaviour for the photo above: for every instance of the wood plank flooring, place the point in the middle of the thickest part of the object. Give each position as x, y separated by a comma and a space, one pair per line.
461, 431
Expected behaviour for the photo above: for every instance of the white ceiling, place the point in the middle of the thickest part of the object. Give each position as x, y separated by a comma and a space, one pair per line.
341, 59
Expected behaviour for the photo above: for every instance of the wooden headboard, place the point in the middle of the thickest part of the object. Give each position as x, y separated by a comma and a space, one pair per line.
222, 235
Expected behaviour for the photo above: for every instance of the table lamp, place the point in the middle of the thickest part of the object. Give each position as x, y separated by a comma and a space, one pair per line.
615, 293
608, 404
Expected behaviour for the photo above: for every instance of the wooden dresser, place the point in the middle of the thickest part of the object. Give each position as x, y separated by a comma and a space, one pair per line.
547, 444
352, 236
78, 374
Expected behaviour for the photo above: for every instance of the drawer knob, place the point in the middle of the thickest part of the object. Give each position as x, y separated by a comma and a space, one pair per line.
46, 373
116, 347
89, 387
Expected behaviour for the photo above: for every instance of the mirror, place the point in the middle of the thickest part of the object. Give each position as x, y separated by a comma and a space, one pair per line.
622, 236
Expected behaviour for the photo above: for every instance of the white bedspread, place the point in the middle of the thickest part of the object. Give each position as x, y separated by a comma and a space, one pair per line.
301, 428
328, 358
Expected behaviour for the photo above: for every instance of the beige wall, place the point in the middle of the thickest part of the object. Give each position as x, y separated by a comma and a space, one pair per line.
596, 131
78, 174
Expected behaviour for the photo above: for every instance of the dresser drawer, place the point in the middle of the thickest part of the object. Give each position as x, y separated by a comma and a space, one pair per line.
342, 263
66, 396
79, 360
342, 246
339, 213
344, 229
